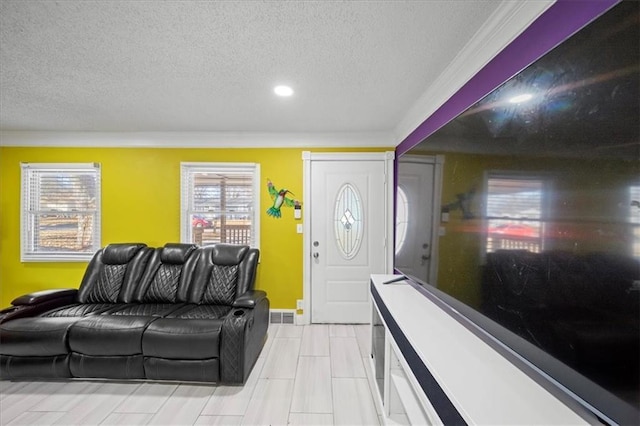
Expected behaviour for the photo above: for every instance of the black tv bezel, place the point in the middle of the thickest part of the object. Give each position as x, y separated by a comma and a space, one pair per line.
585, 397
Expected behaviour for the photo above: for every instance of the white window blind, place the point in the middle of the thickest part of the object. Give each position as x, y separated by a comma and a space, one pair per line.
220, 203
60, 218
634, 218
514, 213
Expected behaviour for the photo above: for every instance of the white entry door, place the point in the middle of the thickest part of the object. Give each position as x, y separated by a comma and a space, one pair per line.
348, 224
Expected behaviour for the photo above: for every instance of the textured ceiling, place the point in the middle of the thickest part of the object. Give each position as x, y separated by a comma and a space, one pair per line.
198, 66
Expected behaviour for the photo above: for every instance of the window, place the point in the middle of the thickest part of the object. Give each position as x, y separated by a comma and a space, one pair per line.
348, 221
60, 212
402, 218
634, 218
220, 203
514, 213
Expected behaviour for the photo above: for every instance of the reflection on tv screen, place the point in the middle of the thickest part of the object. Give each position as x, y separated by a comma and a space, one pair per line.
526, 207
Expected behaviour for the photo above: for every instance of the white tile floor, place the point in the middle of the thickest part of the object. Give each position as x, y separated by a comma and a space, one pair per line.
306, 375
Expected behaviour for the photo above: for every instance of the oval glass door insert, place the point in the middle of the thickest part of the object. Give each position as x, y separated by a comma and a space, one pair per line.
348, 220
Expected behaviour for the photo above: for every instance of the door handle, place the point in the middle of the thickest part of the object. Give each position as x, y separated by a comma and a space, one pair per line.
316, 255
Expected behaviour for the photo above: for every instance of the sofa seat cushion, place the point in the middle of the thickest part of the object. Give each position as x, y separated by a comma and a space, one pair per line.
80, 310
106, 335
35, 336
175, 338
145, 309
201, 312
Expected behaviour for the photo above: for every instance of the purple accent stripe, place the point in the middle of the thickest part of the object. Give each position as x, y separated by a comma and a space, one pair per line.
556, 24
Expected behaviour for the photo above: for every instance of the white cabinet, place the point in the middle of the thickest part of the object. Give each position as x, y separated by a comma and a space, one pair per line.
430, 369
404, 402
402, 399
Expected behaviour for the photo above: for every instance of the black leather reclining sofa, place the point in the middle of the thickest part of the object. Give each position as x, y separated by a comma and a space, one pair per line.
180, 312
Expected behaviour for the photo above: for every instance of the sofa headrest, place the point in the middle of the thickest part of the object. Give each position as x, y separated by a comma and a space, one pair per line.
228, 254
176, 253
119, 254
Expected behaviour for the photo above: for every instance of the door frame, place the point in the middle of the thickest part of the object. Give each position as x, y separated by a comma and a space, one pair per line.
436, 210
308, 157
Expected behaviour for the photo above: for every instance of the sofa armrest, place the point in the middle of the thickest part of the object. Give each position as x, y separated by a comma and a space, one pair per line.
243, 334
64, 296
33, 304
249, 299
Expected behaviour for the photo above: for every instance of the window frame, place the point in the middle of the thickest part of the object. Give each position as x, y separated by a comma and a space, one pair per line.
217, 167
27, 238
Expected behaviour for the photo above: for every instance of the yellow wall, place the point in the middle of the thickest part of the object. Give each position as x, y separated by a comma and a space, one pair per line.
460, 247
141, 203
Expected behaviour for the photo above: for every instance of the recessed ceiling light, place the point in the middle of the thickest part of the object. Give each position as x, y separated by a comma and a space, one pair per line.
521, 98
283, 90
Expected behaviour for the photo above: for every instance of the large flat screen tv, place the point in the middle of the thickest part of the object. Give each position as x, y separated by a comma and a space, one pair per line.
523, 214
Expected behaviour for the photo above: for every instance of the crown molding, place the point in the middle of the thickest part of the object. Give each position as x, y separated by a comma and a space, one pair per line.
194, 139
502, 27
